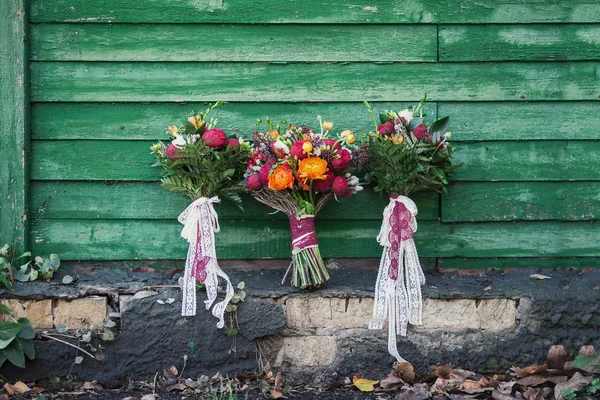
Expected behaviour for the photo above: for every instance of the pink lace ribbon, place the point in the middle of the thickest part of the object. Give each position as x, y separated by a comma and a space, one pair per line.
303, 231
399, 230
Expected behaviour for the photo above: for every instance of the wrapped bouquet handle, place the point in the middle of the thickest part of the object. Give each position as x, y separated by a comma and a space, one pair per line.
398, 288
201, 222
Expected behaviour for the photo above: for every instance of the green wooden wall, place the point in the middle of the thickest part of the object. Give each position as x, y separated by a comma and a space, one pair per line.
520, 80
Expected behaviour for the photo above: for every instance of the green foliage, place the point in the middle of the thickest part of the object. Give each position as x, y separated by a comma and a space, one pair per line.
28, 270
16, 340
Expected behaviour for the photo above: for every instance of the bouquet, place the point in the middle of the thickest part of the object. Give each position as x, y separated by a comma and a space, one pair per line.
202, 163
405, 156
297, 171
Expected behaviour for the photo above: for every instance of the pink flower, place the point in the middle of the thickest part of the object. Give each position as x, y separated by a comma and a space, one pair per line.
340, 187
253, 182
233, 142
420, 131
386, 129
324, 185
341, 163
296, 150
264, 173
215, 138
172, 152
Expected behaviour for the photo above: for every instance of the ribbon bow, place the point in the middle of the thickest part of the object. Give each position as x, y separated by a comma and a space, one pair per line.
200, 223
398, 287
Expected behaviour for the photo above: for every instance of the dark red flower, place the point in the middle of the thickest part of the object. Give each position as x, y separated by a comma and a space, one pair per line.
324, 185
332, 144
253, 182
420, 131
386, 129
296, 150
233, 142
215, 138
172, 152
264, 173
341, 163
340, 187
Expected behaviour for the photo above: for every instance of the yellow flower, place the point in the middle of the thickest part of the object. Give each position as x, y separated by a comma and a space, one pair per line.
350, 139
307, 147
173, 129
345, 133
196, 121
274, 134
312, 168
327, 125
397, 139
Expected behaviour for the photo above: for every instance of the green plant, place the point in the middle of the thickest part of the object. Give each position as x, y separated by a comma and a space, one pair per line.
232, 330
30, 270
16, 339
224, 392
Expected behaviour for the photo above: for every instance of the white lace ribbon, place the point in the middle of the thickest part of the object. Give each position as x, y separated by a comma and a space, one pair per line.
201, 222
398, 300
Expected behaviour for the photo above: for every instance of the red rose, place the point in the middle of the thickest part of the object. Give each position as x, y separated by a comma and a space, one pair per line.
340, 164
296, 150
264, 173
420, 131
386, 129
340, 187
233, 142
172, 152
215, 138
253, 182
324, 185
332, 144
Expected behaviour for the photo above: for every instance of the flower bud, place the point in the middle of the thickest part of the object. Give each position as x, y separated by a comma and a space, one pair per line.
307, 147
327, 125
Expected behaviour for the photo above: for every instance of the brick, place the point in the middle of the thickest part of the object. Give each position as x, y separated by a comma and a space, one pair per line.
80, 313
328, 312
457, 314
309, 351
38, 312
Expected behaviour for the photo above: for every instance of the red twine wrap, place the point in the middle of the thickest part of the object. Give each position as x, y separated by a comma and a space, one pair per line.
399, 230
303, 231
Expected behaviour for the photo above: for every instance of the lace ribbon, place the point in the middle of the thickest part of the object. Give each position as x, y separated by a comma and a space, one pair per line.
201, 222
398, 287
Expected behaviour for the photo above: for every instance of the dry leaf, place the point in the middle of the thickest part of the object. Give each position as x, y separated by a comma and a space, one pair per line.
531, 370
93, 385
364, 385
577, 382
276, 394
488, 288
539, 276
391, 382
4, 397
557, 357
587, 351
9, 389
506, 387
443, 371
278, 381
479, 386
414, 394
176, 386
496, 395
171, 372
532, 380
144, 269
149, 397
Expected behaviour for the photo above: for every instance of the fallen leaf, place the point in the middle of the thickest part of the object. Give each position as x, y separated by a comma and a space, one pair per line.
496, 395
20, 388
531, 370
93, 385
488, 288
539, 276
558, 379
532, 380
171, 372
443, 371
576, 383
176, 386
143, 294
276, 394
391, 383
278, 381
9, 389
557, 357
364, 385
506, 387
414, 394
149, 397
144, 269
4, 397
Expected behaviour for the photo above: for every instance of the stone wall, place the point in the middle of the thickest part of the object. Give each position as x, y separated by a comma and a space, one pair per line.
483, 322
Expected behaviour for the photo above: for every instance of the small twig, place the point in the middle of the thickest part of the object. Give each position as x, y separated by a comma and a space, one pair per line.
160, 286
154, 387
45, 335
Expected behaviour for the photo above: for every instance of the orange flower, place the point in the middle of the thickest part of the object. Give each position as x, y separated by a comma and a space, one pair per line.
302, 182
281, 178
312, 168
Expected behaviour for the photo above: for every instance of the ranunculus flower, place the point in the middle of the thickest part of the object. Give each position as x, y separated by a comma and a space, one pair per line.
264, 173
332, 144
324, 185
281, 179
341, 163
312, 168
340, 186
297, 151
420, 131
386, 129
215, 138
172, 152
233, 142
253, 182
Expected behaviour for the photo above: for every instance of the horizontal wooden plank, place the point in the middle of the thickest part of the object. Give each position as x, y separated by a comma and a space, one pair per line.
519, 42
519, 121
187, 81
125, 121
145, 200
176, 42
514, 201
316, 11
483, 161
523, 262
142, 239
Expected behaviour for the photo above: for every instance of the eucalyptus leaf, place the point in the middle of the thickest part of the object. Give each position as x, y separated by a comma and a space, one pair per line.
440, 126
414, 123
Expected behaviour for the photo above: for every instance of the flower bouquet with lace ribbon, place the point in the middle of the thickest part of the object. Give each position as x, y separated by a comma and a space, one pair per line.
203, 164
296, 170
405, 156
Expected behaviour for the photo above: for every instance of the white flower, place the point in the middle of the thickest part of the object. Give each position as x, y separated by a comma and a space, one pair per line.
179, 141
447, 135
279, 145
407, 115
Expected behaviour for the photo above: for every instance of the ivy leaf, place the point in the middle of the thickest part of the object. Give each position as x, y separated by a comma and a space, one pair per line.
28, 348
5, 310
14, 353
8, 331
27, 331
